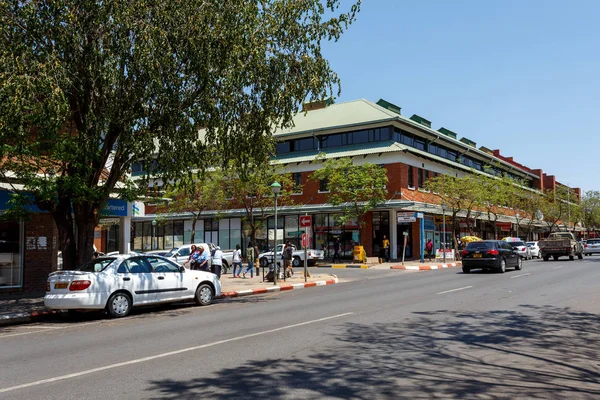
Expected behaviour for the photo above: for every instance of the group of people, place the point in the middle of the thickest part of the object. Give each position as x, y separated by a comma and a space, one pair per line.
199, 260
251, 254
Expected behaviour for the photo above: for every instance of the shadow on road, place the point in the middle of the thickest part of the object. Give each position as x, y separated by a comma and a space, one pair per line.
535, 352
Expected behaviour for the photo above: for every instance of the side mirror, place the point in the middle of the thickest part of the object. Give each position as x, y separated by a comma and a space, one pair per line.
181, 268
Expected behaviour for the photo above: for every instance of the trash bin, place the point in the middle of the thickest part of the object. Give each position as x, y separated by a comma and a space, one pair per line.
360, 254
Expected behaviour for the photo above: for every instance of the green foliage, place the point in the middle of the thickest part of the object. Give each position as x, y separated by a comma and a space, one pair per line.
590, 207
357, 188
88, 87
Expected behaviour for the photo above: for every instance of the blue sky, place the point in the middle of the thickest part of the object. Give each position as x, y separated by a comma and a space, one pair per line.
521, 76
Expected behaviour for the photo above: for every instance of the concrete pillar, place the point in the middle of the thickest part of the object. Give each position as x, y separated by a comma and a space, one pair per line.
393, 234
124, 235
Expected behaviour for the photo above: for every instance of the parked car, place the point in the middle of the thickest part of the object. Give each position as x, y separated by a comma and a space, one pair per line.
181, 254
522, 248
494, 255
297, 256
559, 244
161, 253
534, 249
592, 246
116, 253
119, 283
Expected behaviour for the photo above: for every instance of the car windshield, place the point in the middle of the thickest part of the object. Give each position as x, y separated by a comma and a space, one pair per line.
593, 241
530, 244
480, 245
171, 253
96, 264
515, 244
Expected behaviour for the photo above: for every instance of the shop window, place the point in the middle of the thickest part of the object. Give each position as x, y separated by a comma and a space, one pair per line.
11, 266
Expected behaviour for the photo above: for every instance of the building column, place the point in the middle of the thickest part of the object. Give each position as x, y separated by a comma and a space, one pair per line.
393, 234
124, 235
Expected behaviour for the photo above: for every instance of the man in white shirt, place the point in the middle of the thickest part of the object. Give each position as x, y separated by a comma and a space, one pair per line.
217, 261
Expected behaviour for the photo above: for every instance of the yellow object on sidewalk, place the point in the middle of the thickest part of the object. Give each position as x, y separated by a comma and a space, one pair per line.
360, 254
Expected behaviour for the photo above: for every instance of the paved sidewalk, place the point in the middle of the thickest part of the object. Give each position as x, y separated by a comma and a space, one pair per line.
21, 309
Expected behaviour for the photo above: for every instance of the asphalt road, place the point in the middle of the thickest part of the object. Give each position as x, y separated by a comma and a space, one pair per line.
533, 333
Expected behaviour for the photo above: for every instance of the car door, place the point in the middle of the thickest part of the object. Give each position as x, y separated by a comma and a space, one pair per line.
170, 280
135, 275
512, 255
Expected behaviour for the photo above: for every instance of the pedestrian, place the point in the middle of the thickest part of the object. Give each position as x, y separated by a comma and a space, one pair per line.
193, 258
336, 250
429, 248
288, 255
217, 261
386, 248
250, 259
237, 261
202, 260
256, 253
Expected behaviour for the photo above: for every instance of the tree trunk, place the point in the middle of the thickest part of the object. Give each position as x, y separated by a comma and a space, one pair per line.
193, 235
66, 236
87, 216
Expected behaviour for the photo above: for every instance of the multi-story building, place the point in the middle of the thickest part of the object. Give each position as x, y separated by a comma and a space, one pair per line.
411, 152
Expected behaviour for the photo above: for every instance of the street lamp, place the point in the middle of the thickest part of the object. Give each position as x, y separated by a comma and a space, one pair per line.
517, 216
444, 231
154, 238
275, 188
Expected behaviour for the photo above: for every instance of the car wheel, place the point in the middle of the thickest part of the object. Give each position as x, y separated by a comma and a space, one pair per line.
546, 258
571, 258
224, 267
555, 258
519, 265
502, 268
119, 305
296, 262
204, 295
466, 270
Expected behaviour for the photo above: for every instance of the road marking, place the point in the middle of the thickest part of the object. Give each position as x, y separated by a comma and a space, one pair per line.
167, 354
52, 328
560, 266
518, 276
454, 290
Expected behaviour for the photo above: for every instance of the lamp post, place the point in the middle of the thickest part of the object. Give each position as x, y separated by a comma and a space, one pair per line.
275, 188
517, 216
444, 231
154, 238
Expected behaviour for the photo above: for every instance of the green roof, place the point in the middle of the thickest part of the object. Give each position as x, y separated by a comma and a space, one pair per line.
421, 120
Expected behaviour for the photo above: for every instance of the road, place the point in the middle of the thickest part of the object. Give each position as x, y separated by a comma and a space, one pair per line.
533, 333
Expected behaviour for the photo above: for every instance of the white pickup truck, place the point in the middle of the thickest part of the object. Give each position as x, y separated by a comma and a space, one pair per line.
560, 244
297, 256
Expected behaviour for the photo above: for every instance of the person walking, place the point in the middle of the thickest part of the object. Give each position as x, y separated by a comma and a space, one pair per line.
288, 255
217, 261
386, 248
250, 259
237, 261
429, 248
336, 250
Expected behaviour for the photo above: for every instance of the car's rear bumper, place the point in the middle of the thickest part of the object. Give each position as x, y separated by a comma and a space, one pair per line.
481, 262
591, 251
75, 301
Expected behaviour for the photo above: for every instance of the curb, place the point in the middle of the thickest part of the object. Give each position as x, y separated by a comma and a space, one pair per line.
25, 317
426, 267
280, 288
363, 266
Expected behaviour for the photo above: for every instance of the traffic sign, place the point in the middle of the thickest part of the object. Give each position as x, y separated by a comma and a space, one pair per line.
304, 240
305, 221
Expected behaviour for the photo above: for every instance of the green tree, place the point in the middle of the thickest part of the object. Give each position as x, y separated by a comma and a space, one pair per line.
88, 87
554, 207
493, 193
251, 187
356, 188
194, 194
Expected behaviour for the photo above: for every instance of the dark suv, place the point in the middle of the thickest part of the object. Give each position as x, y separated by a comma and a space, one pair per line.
490, 254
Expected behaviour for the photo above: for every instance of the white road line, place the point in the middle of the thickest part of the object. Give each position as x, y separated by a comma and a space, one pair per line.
53, 328
454, 290
170, 353
560, 266
41, 327
518, 276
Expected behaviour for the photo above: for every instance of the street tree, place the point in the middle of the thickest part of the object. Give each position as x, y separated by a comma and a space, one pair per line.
555, 207
195, 193
356, 188
89, 87
250, 188
590, 205
493, 193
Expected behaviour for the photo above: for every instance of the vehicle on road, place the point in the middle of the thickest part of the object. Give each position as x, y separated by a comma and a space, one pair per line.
181, 254
534, 249
116, 284
592, 246
161, 253
559, 244
297, 256
523, 250
494, 255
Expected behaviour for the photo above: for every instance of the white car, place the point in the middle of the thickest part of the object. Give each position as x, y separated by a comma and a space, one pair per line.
591, 246
534, 249
297, 256
119, 283
522, 249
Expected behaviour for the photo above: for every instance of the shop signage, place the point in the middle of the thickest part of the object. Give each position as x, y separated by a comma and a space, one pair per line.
406, 217
440, 220
439, 253
115, 208
504, 226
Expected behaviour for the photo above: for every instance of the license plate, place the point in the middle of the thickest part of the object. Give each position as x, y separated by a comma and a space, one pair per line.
476, 255
61, 285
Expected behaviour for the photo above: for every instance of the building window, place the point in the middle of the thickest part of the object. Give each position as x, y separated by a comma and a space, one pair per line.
304, 144
283, 147
297, 181
411, 181
324, 185
11, 265
420, 177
